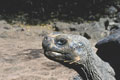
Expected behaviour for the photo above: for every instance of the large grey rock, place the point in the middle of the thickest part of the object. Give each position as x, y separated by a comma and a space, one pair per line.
111, 11
4, 26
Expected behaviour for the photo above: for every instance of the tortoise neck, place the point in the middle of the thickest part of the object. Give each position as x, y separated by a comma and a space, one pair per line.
95, 69
89, 70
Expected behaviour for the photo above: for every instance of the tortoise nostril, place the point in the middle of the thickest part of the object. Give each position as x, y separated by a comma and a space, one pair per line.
46, 42
45, 38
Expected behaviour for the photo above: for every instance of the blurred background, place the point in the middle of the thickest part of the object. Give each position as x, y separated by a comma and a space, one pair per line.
35, 11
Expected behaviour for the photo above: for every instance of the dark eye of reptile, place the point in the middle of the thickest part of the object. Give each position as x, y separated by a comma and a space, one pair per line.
61, 41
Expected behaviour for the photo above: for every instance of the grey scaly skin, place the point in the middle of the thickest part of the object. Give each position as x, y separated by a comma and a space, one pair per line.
74, 51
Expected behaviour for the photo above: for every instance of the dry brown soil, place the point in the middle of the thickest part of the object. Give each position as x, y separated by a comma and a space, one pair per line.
22, 58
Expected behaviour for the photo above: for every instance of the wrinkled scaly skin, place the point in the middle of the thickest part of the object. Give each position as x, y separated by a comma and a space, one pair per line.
74, 51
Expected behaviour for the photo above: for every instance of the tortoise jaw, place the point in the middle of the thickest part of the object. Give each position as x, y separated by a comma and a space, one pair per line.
52, 54
56, 56
56, 53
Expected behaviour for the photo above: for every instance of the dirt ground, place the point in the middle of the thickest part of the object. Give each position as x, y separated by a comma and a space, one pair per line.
22, 58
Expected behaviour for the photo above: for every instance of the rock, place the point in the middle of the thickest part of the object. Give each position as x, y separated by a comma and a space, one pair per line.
112, 38
111, 11
114, 29
110, 24
20, 29
43, 33
106, 24
4, 25
118, 4
118, 17
3, 22
7, 28
97, 30
87, 36
4, 35
60, 26
113, 26
93, 30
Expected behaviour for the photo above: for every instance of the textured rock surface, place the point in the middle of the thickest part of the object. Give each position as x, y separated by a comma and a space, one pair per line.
93, 30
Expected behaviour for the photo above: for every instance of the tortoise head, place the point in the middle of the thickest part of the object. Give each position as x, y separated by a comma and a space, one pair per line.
65, 48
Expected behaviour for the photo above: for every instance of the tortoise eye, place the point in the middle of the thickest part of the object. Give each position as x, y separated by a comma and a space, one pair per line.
61, 41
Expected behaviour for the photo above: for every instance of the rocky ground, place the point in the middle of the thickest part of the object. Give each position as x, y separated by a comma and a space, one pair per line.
21, 54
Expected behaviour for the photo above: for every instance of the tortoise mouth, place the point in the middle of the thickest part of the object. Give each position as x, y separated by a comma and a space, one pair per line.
59, 57
56, 53
53, 54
